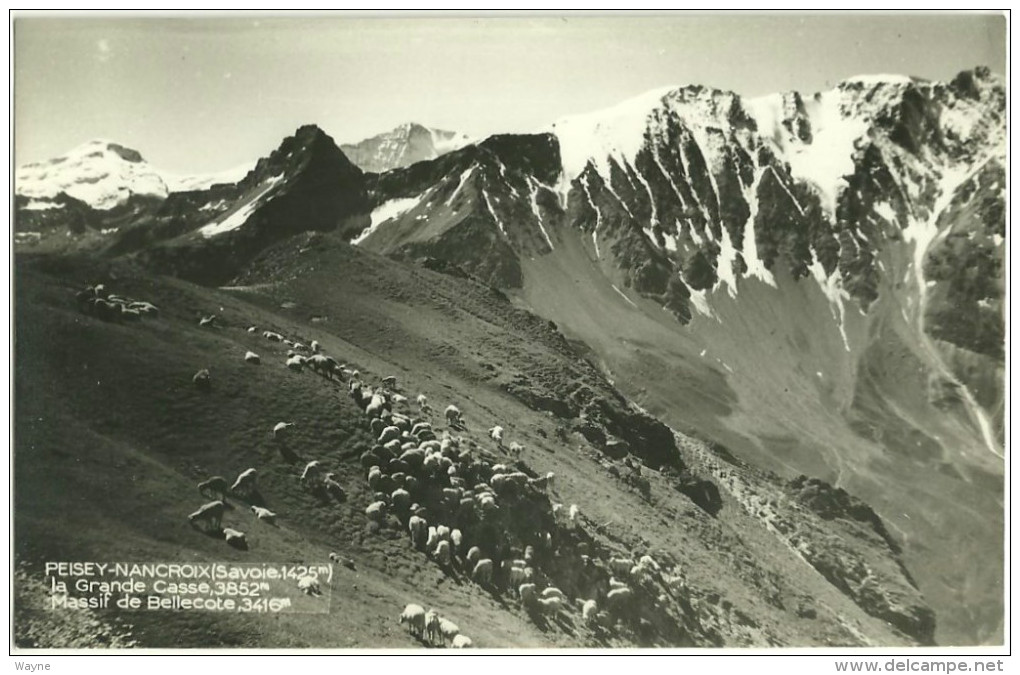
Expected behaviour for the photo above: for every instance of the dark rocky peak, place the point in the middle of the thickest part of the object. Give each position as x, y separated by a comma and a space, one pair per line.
537, 155
127, 154
309, 151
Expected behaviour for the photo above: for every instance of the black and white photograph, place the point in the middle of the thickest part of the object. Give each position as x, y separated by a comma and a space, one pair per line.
543, 332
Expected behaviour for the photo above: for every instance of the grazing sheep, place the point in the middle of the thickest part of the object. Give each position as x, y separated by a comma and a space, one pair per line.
245, 483
376, 426
309, 585
461, 642
443, 532
376, 511
422, 400
315, 346
214, 487
414, 617
311, 470
432, 540
390, 381
419, 529
296, 363
516, 449
448, 630
146, 308
210, 515
618, 597
553, 592
252, 329
252, 357
518, 575
298, 345
482, 572
442, 553
280, 427
264, 514
457, 539
589, 611
333, 488
621, 566
649, 562
432, 626
235, 538
389, 434
614, 583
575, 514
496, 434
202, 379
322, 365
528, 593
207, 320
550, 605
474, 554
453, 415
401, 499
271, 336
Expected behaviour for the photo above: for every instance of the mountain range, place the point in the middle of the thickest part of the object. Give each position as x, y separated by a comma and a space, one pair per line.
811, 283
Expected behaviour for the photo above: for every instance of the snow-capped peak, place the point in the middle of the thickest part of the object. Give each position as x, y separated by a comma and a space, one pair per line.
617, 132
100, 173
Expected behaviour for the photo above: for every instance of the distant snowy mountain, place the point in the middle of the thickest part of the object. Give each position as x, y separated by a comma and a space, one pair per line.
100, 173
403, 146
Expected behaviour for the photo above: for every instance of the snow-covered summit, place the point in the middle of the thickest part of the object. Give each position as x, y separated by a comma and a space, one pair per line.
406, 144
100, 173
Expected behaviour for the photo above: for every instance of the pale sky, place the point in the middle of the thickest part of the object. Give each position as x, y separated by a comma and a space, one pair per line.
205, 94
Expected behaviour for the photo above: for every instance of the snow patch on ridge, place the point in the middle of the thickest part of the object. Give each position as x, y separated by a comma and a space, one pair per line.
832, 287
240, 215
388, 210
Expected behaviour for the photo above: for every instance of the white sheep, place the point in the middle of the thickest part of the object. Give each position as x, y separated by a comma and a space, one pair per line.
482, 572
388, 434
432, 540
443, 531
553, 592
528, 593
618, 597
550, 605
309, 585
245, 483
589, 610
419, 530
496, 434
422, 400
280, 427
453, 415
376, 511
474, 554
397, 398
414, 616
296, 362
621, 566
448, 630
252, 357
263, 514
516, 449
442, 552
210, 514
390, 381
214, 487
457, 539
311, 470
315, 346
461, 642
575, 514
234, 537
271, 336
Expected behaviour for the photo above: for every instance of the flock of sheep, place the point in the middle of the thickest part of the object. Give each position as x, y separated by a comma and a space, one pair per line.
484, 516
96, 301
418, 477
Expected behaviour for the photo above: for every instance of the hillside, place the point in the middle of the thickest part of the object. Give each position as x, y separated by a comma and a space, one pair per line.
110, 473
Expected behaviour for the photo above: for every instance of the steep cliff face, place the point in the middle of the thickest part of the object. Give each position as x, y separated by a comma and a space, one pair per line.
815, 279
